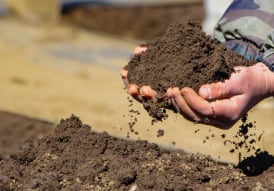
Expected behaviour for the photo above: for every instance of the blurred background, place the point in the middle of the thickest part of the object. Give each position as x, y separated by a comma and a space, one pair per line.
63, 57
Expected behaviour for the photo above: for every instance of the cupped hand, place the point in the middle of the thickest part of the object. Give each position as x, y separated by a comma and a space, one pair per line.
139, 93
222, 104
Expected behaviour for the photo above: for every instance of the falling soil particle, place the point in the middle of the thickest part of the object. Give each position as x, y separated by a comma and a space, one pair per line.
160, 133
75, 158
245, 138
184, 57
133, 118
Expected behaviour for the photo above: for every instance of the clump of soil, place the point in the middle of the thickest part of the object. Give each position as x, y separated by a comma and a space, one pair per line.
141, 22
160, 133
183, 57
75, 158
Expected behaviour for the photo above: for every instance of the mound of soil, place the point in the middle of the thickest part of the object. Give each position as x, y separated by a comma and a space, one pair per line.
141, 22
183, 57
75, 158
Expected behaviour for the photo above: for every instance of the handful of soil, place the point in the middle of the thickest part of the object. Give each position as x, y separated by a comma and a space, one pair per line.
183, 57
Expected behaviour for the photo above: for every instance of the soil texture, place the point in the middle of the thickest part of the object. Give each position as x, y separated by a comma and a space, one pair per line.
75, 158
183, 57
141, 22
15, 129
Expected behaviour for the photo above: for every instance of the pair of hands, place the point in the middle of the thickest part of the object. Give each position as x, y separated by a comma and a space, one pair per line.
219, 104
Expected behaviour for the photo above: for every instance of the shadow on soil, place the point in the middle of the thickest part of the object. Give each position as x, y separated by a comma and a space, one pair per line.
256, 165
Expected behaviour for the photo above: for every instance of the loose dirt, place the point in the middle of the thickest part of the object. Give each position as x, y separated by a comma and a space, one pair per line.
75, 158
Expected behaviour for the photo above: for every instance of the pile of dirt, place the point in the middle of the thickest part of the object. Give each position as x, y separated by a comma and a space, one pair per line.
75, 158
184, 57
141, 22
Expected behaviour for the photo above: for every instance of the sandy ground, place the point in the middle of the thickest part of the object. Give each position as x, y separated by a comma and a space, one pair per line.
51, 72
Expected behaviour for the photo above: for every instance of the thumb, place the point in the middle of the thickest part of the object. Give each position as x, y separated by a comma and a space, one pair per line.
212, 91
219, 90
233, 86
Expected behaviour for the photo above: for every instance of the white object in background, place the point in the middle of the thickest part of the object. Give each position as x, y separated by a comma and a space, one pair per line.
214, 11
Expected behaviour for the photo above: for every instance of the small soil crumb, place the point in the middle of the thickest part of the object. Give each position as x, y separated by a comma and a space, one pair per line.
184, 57
197, 130
223, 136
75, 158
160, 133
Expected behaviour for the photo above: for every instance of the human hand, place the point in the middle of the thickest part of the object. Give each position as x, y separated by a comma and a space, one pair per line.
222, 104
139, 93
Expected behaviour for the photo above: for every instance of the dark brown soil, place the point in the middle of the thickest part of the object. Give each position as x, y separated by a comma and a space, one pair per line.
75, 158
141, 22
183, 57
15, 129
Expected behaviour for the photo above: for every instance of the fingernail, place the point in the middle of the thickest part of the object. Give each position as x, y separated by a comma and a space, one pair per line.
132, 89
168, 92
143, 91
139, 50
124, 73
205, 92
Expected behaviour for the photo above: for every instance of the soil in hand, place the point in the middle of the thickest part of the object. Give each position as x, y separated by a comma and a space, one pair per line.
183, 57
75, 158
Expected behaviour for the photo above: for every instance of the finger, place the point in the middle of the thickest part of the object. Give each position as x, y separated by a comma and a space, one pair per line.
210, 113
226, 89
179, 102
191, 115
139, 49
147, 92
196, 102
132, 89
229, 109
124, 75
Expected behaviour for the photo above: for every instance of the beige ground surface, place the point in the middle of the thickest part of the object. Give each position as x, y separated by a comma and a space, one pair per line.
52, 72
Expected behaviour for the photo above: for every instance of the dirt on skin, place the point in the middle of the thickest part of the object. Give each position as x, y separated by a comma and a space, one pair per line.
75, 158
140, 22
183, 57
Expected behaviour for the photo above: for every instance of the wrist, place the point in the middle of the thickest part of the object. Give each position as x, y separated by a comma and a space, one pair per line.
270, 83
268, 79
